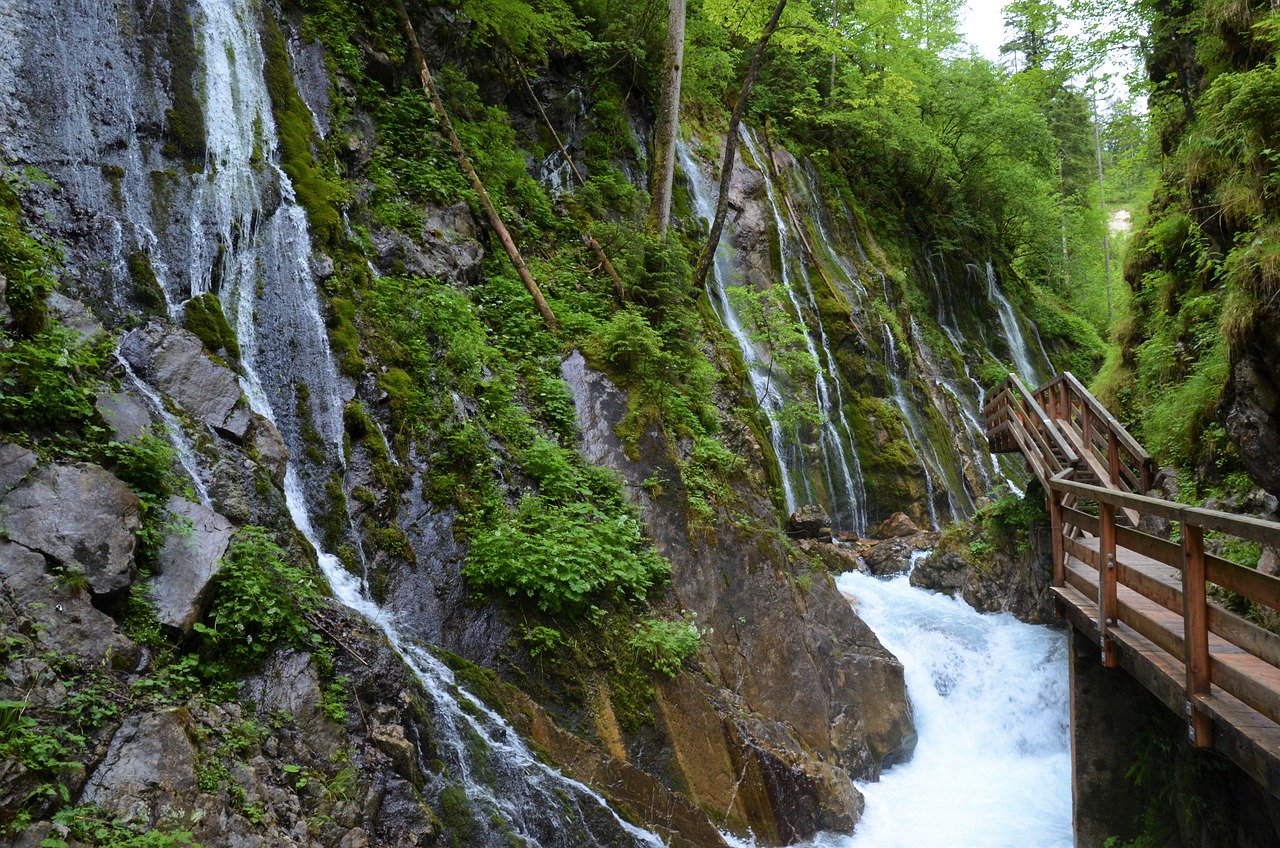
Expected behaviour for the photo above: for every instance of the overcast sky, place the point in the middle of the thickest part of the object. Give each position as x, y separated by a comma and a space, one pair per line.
982, 23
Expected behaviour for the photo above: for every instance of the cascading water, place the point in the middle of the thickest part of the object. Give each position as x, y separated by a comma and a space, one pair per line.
840, 465
992, 766
1012, 330
261, 235
173, 430
766, 384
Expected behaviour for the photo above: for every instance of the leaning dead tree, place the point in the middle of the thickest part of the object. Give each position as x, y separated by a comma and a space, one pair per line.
437, 106
731, 147
596, 248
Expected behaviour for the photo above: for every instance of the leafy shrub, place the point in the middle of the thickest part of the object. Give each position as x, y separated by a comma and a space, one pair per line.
665, 645
49, 381
561, 557
261, 601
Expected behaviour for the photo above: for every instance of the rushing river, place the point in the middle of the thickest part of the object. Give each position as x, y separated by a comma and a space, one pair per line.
992, 768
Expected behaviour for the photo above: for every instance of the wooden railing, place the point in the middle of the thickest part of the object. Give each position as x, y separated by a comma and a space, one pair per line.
1148, 598
1144, 585
1103, 443
1016, 422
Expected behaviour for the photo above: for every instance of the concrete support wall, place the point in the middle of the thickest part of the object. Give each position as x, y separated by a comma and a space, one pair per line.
1133, 772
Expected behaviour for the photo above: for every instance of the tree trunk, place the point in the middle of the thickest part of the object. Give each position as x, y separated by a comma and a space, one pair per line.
437, 105
664, 148
731, 148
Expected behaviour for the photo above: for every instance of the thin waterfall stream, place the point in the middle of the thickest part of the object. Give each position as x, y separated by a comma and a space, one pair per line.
290, 379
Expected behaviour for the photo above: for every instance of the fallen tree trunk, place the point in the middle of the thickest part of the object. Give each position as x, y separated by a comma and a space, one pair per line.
437, 105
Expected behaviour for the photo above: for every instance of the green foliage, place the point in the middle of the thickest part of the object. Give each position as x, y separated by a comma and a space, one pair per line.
204, 317
24, 261
90, 825
260, 601
665, 645
48, 381
564, 557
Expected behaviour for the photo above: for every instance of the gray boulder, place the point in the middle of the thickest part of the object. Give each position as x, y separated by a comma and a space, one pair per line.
175, 362
74, 314
124, 414
810, 522
79, 516
272, 451
150, 767
16, 463
189, 559
59, 611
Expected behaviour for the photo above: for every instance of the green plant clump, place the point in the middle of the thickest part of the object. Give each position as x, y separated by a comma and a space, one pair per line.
665, 645
261, 601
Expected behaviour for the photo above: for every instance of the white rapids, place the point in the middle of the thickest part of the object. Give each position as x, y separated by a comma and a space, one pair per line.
992, 767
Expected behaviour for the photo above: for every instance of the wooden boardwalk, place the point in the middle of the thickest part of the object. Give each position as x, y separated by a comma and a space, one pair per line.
1145, 599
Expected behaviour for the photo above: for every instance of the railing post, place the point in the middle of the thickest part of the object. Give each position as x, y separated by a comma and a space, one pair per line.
1055, 523
1113, 458
1108, 602
1086, 426
1195, 617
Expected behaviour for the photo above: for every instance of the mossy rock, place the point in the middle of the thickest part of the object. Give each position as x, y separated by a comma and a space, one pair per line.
205, 318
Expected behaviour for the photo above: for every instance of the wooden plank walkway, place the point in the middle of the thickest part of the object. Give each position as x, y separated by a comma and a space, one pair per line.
1144, 599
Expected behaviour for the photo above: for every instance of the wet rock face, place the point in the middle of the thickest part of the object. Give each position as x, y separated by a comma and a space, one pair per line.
81, 518
175, 362
1251, 404
796, 694
1000, 580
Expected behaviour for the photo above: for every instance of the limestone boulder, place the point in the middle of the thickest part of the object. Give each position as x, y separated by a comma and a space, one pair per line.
149, 768
126, 416
175, 362
73, 314
892, 556
58, 611
272, 451
810, 522
189, 560
896, 526
80, 517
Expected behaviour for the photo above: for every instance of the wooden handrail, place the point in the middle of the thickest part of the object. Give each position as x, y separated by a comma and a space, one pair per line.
1244, 526
1062, 395
1141, 594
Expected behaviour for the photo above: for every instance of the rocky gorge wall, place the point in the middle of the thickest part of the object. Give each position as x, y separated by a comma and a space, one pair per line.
214, 178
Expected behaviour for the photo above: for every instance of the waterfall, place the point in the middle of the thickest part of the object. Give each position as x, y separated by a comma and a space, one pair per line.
841, 467
173, 430
766, 386
1012, 330
251, 220
992, 766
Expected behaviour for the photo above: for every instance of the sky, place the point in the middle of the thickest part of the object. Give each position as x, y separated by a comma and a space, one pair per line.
982, 24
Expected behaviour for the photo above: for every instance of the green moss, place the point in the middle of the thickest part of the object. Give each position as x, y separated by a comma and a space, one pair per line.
319, 193
146, 286
185, 129
459, 819
204, 317
344, 338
